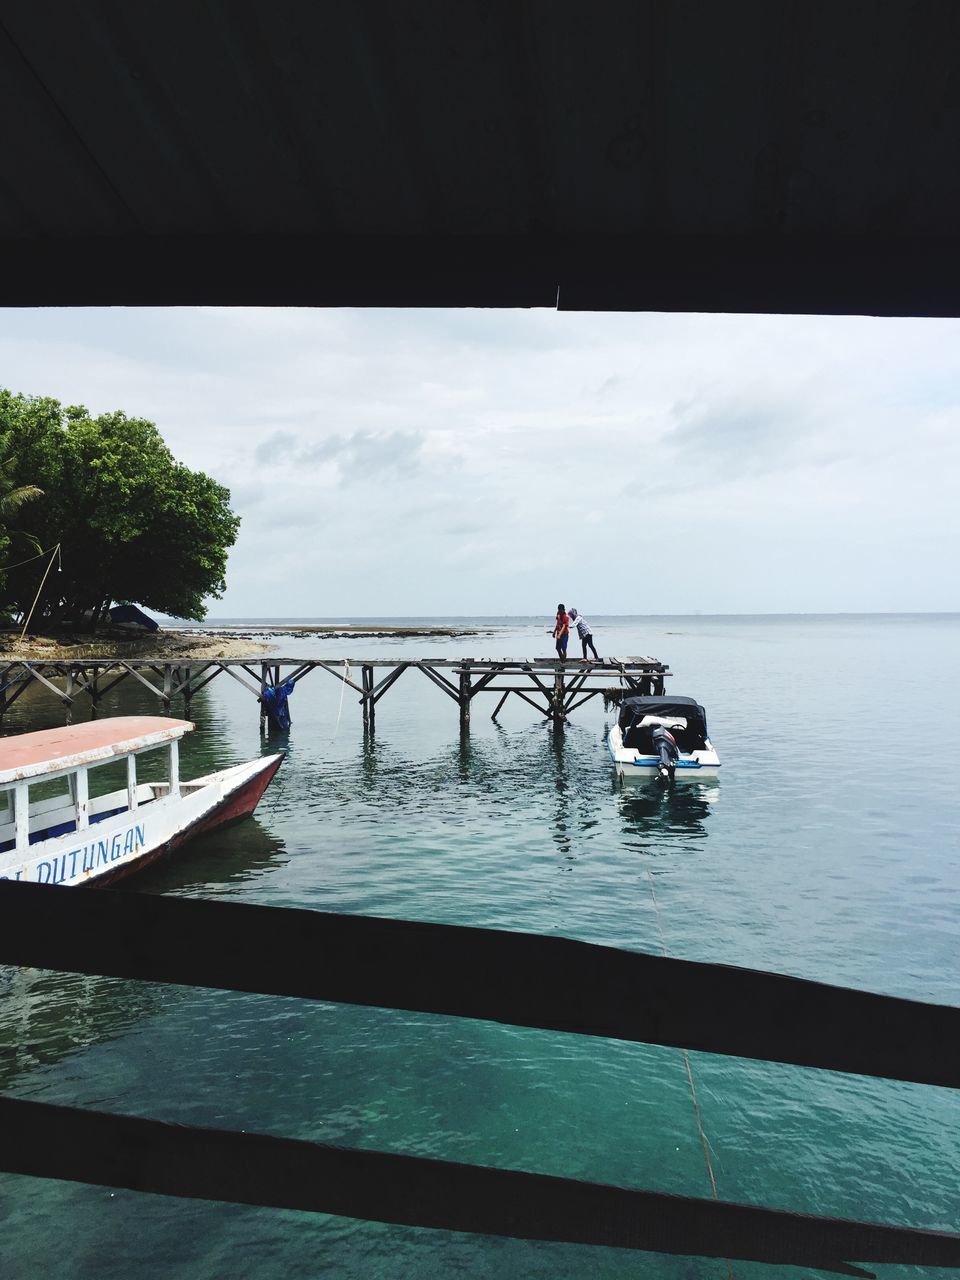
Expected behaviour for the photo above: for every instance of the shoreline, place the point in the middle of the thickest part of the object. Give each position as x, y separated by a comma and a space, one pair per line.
324, 628
198, 642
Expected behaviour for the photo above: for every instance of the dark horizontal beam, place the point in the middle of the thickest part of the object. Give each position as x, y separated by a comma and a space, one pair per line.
336, 666
516, 978
43, 1140
761, 272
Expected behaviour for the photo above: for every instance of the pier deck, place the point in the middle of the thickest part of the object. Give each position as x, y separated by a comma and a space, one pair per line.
553, 688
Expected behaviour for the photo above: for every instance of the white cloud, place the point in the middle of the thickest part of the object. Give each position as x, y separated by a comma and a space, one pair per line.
476, 461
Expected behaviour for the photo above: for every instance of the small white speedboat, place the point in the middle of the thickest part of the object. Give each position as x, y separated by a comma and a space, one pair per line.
58, 826
663, 738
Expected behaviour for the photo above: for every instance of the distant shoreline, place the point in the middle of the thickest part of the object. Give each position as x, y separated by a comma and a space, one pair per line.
326, 628
199, 641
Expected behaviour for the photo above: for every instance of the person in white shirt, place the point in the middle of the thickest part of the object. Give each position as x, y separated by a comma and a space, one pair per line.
585, 634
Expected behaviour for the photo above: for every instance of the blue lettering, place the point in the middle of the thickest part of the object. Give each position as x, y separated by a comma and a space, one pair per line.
141, 835
116, 848
59, 869
87, 852
72, 855
128, 839
43, 873
103, 852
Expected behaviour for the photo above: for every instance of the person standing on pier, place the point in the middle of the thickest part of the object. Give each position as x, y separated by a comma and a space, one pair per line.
585, 634
561, 632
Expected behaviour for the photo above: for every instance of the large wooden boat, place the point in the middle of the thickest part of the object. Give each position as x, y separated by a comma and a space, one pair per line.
57, 826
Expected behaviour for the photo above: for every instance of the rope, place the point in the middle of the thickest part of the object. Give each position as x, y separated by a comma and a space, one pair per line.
343, 687
689, 1070
38, 556
24, 675
54, 552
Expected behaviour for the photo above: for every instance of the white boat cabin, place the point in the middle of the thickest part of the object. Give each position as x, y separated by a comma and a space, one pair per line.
49, 781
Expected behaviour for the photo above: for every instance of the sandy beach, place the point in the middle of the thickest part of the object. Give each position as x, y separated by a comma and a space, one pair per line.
189, 643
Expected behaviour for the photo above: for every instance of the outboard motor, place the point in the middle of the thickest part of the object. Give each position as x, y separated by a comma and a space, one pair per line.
665, 745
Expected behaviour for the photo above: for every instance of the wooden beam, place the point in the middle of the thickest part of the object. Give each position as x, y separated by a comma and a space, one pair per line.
42, 679
544, 711
440, 681
43, 1139
521, 979
377, 691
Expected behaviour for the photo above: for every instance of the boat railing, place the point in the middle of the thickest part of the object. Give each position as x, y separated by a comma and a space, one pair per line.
544, 983
32, 818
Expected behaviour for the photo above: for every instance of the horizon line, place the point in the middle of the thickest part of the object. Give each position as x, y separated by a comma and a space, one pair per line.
598, 613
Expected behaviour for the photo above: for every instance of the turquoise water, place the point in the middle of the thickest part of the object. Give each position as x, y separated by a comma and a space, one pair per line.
829, 850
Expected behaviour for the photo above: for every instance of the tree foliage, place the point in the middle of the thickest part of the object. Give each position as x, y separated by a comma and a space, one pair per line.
134, 525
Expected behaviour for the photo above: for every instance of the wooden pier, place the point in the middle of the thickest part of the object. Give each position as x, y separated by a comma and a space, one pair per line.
553, 688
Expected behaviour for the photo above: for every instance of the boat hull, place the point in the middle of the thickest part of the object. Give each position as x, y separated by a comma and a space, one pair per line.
638, 767
132, 840
235, 807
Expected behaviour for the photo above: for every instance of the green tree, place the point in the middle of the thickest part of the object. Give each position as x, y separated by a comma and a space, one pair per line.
12, 498
135, 526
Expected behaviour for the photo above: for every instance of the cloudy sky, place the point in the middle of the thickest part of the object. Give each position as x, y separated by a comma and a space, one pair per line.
485, 462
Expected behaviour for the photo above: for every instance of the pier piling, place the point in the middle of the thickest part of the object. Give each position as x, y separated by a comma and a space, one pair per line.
465, 696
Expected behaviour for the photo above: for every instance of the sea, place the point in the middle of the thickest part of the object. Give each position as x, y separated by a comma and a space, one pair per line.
829, 849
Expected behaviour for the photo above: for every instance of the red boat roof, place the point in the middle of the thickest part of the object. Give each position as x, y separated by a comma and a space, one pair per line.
30, 755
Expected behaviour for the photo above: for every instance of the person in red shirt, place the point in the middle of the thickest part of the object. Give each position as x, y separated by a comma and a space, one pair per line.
561, 632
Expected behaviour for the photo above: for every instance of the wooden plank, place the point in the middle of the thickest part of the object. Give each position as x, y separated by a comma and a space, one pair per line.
546, 666
43, 1139
520, 979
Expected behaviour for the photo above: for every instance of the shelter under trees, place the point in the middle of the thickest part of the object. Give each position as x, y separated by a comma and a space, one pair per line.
133, 524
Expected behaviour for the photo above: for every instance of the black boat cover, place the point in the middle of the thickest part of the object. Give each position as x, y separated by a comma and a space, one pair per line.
632, 711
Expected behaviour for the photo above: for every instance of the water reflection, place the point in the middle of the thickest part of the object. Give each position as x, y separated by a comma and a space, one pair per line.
44, 1016
464, 755
562, 818
368, 756
655, 811
215, 863
570, 779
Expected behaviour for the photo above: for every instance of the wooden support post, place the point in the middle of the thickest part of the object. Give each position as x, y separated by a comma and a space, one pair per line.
464, 701
264, 683
500, 704
369, 706
167, 686
559, 695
